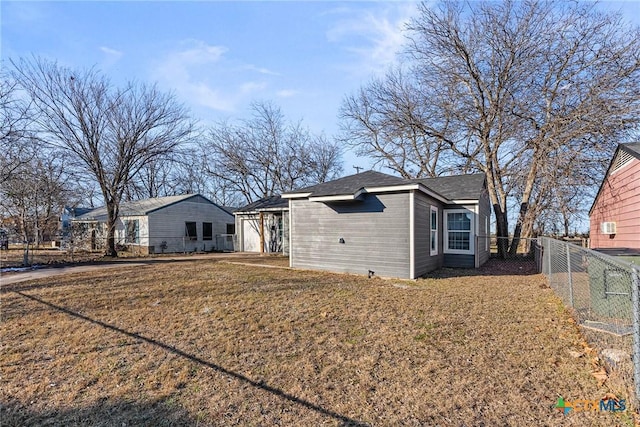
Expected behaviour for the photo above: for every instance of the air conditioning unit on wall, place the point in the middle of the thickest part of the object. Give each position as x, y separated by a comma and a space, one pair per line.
608, 228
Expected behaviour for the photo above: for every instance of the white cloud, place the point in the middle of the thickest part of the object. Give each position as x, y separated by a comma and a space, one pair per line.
205, 75
252, 87
111, 52
287, 93
261, 70
111, 57
200, 53
375, 35
182, 71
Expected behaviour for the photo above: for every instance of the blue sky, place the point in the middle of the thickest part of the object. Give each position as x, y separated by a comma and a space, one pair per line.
218, 56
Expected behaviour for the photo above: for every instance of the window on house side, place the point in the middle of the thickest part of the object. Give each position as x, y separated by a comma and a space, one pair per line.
207, 231
132, 228
434, 231
190, 230
487, 233
459, 232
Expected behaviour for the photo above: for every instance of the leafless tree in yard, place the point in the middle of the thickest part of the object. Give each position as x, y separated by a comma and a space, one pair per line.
508, 85
109, 132
35, 195
385, 121
17, 144
266, 155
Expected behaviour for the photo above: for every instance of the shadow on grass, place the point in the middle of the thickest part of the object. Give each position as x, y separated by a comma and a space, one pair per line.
344, 420
161, 412
493, 267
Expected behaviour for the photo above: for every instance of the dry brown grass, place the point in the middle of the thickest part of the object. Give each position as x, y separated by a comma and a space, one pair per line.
14, 257
212, 343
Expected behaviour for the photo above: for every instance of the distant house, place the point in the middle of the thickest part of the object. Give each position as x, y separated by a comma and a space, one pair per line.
184, 223
67, 215
615, 214
265, 220
374, 223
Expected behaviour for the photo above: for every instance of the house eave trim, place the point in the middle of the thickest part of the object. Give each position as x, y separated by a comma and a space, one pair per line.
466, 202
338, 197
295, 195
257, 211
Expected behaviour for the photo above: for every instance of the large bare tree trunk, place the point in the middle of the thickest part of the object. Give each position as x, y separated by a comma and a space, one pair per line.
112, 217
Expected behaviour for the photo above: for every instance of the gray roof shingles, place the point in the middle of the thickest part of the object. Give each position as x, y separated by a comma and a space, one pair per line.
456, 187
273, 202
352, 183
137, 207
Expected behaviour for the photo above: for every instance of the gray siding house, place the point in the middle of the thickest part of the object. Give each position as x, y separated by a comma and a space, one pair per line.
374, 223
185, 223
265, 220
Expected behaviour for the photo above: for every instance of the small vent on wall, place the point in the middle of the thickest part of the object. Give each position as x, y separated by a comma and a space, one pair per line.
608, 228
622, 159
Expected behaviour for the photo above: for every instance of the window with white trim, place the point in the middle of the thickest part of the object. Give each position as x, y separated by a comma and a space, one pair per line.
132, 230
458, 231
487, 233
434, 231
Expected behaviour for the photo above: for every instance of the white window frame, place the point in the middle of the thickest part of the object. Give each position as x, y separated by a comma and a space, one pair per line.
134, 238
472, 221
433, 251
487, 233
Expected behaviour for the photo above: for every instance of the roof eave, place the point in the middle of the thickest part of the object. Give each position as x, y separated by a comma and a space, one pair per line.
256, 211
295, 195
338, 197
465, 202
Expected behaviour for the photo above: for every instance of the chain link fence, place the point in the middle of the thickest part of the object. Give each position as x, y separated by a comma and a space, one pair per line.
604, 294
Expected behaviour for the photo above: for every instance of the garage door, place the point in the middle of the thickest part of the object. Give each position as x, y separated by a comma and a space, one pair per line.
250, 235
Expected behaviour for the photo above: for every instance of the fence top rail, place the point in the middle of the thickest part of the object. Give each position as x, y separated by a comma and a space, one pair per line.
608, 258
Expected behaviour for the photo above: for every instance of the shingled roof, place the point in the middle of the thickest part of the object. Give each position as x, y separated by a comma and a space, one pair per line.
265, 204
138, 207
458, 187
351, 184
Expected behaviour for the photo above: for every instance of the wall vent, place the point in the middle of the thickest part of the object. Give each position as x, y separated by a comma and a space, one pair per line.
622, 159
608, 228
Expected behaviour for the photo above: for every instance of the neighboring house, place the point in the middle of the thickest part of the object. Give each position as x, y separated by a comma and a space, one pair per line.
265, 220
184, 223
64, 227
615, 214
373, 223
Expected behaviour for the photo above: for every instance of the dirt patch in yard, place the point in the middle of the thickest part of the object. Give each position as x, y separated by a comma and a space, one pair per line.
204, 343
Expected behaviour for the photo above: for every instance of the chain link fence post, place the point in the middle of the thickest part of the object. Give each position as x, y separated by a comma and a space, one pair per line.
570, 277
635, 298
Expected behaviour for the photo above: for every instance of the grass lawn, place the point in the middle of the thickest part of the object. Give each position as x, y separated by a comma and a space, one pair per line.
216, 343
14, 257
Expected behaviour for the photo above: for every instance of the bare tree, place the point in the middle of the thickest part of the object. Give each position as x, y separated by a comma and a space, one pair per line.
508, 85
35, 195
111, 133
16, 140
265, 155
385, 121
